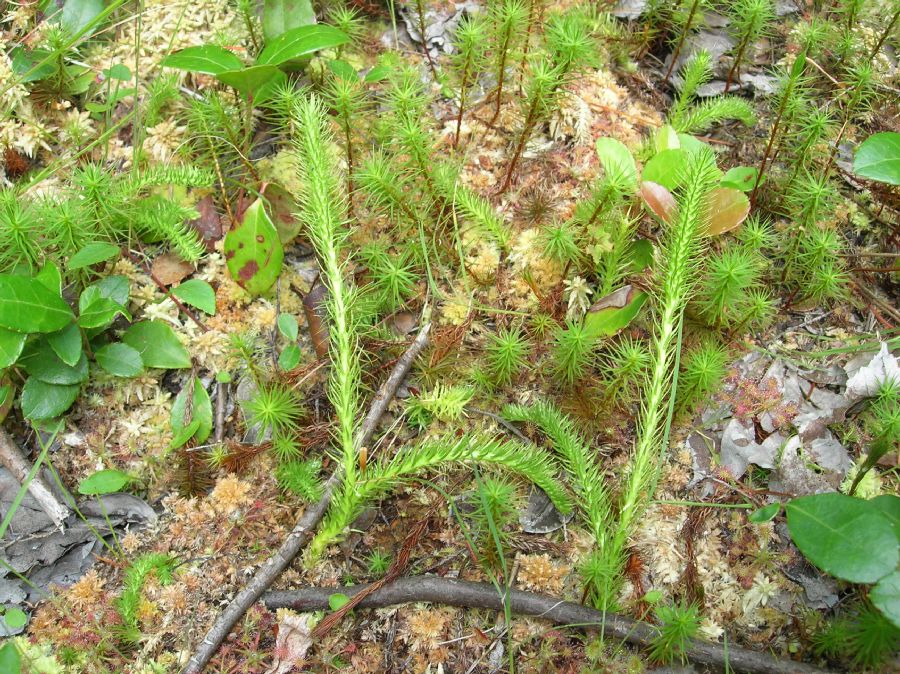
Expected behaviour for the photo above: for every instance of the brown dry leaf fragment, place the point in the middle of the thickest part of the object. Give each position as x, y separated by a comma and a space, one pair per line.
292, 643
314, 309
209, 224
170, 268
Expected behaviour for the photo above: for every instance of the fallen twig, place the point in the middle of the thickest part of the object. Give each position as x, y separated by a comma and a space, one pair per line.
12, 459
484, 595
301, 532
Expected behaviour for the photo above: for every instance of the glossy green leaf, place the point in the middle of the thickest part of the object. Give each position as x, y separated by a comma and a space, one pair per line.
158, 345
287, 326
253, 252
377, 73
765, 514
280, 16
181, 438
15, 618
844, 536
10, 660
115, 288
614, 312
119, 72
11, 344
616, 159
249, 80
343, 70
666, 168
97, 311
289, 357
120, 360
27, 305
50, 276
889, 506
197, 293
66, 343
641, 255
299, 42
92, 254
741, 178
690, 144
337, 600
886, 597
102, 482
207, 59
78, 14
666, 139
40, 360
40, 400
200, 411
878, 158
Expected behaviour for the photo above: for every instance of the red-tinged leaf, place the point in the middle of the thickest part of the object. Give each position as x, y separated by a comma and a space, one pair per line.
727, 208
209, 224
282, 206
659, 200
253, 252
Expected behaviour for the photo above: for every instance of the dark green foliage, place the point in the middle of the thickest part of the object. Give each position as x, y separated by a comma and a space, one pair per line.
678, 624
128, 604
19, 233
702, 370
626, 367
507, 352
730, 275
276, 407
301, 478
573, 352
861, 637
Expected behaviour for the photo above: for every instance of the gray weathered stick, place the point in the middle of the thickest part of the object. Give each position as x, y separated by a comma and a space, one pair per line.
484, 595
311, 517
12, 459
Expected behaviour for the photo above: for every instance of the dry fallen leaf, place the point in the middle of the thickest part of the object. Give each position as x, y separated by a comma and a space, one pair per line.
169, 269
868, 379
209, 224
292, 643
728, 208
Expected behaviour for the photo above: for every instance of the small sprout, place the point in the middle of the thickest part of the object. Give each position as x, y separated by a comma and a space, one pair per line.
573, 352
507, 353
276, 407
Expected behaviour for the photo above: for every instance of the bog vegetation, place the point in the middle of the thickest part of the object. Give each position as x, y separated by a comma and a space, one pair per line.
224, 222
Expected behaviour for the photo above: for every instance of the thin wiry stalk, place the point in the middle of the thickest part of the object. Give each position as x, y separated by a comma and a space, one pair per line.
677, 272
323, 210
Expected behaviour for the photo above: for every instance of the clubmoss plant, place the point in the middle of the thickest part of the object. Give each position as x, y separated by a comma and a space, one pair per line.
573, 352
592, 496
301, 478
323, 212
444, 403
729, 276
677, 277
626, 367
471, 41
276, 408
689, 117
347, 99
703, 369
678, 624
129, 603
507, 352
750, 21
507, 19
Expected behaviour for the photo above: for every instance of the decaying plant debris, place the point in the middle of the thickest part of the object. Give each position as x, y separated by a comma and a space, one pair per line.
449, 336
